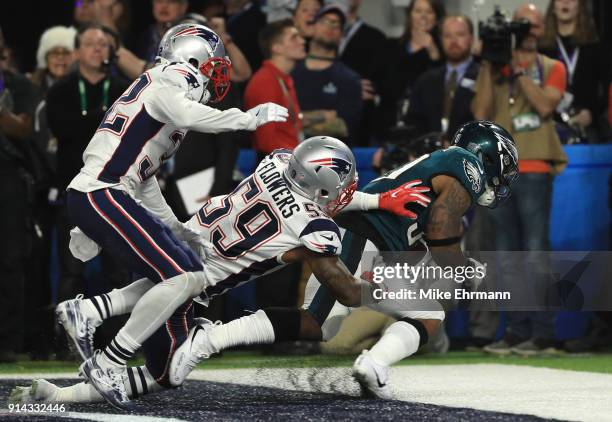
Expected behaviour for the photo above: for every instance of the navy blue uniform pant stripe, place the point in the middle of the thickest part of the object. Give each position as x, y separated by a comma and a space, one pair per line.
129, 232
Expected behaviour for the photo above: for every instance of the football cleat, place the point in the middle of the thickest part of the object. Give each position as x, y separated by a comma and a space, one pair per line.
76, 324
109, 382
41, 391
372, 377
194, 350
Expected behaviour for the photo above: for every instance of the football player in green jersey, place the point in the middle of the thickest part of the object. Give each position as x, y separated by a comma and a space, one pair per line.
478, 169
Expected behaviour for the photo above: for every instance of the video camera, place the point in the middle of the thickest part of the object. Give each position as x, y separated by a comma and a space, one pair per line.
500, 36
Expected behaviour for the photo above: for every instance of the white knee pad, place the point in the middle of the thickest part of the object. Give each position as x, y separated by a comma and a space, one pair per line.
196, 282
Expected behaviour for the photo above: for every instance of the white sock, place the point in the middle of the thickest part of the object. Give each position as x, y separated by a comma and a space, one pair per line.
138, 382
116, 302
78, 393
119, 351
251, 329
399, 341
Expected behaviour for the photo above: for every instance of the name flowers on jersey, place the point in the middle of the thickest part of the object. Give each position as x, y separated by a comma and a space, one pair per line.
275, 184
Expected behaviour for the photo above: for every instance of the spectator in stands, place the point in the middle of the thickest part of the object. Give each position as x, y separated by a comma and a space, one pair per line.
570, 36
329, 93
522, 97
75, 107
54, 59
282, 46
84, 12
415, 52
17, 102
304, 17
165, 12
361, 41
441, 98
244, 23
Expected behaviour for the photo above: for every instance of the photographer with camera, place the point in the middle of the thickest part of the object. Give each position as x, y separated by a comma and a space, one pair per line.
75, 107
519, 89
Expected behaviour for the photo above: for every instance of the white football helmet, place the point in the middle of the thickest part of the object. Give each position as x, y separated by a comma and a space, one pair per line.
202, 48
323, 170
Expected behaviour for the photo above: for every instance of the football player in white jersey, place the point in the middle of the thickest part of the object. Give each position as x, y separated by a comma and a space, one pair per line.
281, 213
116, 202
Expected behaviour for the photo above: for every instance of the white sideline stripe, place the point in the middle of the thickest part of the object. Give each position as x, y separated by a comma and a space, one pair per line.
98, 417
105, 417
544, 392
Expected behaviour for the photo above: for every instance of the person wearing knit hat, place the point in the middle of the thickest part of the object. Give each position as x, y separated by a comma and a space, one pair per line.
54, 56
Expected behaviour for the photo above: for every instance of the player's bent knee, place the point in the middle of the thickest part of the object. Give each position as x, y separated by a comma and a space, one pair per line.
197, 282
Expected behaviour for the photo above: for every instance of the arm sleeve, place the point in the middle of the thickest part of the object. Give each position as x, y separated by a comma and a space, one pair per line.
172, 106
153, 200
362, 202
557, 77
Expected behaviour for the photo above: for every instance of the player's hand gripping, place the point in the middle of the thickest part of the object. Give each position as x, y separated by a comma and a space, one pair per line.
395, 200
268, 112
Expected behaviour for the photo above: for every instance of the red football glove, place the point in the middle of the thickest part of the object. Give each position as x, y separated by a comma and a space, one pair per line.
395, 200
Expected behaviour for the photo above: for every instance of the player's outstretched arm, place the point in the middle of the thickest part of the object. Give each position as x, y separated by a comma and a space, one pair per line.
393, 201
174, 103
153, 200
330, 271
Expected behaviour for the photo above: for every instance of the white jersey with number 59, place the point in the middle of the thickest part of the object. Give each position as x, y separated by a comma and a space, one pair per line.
146, 125
251, 228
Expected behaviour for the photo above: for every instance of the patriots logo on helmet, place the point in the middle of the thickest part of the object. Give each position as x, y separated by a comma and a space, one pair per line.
197, 31
340, 166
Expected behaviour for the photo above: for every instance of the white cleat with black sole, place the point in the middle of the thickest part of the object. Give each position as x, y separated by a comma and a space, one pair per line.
372, 377
77, 326
109, 382
194, 350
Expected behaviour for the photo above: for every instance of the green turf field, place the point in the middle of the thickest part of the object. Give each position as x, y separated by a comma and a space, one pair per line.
252, 359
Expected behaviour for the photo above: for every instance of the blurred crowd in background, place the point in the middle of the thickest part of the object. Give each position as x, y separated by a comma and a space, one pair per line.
337, 75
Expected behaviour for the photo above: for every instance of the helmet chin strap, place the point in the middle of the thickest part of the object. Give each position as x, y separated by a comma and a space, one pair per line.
488, 197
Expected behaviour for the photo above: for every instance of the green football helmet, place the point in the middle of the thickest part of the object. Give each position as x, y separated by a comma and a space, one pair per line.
495, 149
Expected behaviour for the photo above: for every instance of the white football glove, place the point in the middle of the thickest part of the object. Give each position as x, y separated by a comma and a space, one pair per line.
268, 112
81, 246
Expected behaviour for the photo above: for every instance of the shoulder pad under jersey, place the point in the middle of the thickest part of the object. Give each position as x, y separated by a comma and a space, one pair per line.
185, 77
321, 235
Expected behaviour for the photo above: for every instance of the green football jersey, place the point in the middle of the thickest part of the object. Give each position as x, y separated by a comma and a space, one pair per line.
401, 233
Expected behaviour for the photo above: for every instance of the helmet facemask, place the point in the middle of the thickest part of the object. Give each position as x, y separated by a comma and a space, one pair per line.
217, 70
345, 196
498, 188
